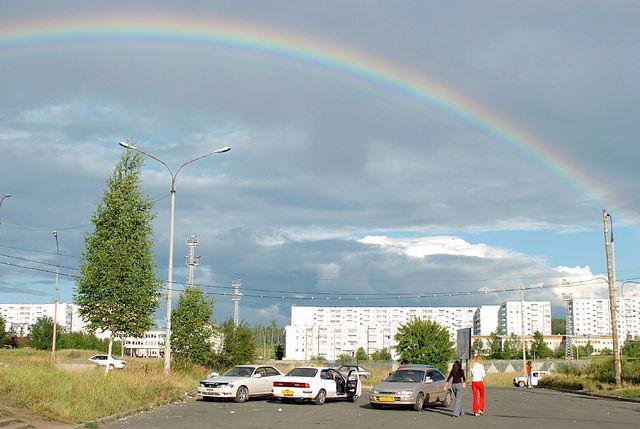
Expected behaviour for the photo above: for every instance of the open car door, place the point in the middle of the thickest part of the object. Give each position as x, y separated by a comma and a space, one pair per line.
354, 387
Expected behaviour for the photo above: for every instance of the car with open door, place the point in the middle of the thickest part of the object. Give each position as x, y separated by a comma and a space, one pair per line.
414, 385
239, 383
317, 384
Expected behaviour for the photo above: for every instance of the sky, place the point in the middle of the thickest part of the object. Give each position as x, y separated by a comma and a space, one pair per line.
383, 153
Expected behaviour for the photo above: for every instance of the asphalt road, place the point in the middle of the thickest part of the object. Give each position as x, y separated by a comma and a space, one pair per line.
505, 408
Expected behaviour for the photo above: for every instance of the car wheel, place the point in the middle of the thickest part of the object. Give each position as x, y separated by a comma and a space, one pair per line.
376, 406
419, 402
320, 397
448, 398
521, 384
242, 394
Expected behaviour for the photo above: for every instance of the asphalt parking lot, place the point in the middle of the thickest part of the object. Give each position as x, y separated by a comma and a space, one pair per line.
506, 408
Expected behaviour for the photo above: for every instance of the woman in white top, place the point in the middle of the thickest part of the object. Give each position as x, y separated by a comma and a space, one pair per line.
477, 385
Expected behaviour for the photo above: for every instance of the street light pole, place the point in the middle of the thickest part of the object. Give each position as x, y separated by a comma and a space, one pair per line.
55, 302
1, 200
613, 303
167, 337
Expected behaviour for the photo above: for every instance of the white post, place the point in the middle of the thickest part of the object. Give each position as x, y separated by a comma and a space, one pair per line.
167, 338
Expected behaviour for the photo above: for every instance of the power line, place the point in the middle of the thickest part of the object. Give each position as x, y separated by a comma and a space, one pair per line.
38, 262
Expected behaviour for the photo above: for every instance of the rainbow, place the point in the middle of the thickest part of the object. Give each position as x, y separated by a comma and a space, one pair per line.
353, 64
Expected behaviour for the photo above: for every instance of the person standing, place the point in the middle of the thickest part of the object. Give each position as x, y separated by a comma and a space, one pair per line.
529, 368
458, 383
477, 385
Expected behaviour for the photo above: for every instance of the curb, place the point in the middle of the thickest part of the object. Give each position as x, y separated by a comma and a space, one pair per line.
112, 418
594, 395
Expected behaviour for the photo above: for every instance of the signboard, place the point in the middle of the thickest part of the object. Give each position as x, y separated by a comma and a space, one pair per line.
463, 343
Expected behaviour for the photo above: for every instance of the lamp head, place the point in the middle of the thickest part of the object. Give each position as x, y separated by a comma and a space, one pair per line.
223, 149
126, 145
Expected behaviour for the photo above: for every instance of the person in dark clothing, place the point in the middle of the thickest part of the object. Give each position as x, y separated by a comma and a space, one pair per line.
458, 383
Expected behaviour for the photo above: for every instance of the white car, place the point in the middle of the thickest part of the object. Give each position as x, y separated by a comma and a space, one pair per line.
535, 377
105, 360
240, 383
317, 384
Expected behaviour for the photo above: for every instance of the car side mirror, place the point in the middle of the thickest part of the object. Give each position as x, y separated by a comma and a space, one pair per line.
257, 375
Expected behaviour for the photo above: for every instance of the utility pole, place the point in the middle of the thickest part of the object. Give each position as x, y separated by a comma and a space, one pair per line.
568, 333
524, 346
235, 297
55, 303
191, 259
607, 221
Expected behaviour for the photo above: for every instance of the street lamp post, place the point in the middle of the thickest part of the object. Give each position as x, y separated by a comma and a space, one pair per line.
167, 340
55, 302
1, 200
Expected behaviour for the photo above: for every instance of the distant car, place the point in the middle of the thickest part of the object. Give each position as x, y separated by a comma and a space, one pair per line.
239, 383
105, 360
414, 385
362, 372
317, 384
535, 378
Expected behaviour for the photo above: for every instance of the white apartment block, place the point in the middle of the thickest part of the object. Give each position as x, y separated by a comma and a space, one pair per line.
592, 317
535, 317
331, 331
485, 320
150, 345
20, 317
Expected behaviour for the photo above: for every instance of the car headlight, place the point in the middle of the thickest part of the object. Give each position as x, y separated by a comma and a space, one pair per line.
406, 392
201, 384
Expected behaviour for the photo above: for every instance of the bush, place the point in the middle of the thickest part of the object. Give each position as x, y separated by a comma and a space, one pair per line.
568, 368
561, 382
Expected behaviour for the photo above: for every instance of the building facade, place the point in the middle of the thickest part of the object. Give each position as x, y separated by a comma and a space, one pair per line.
485, 320
530, 316
590, 317
329, 332
20, 318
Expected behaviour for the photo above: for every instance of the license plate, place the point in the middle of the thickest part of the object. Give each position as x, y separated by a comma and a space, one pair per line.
287, 392
386, 399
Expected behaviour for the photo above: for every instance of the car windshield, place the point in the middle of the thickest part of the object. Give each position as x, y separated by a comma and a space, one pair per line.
240, 371
302, 372
406, 376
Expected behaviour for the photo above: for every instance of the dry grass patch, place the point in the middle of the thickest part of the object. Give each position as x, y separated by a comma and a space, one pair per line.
28, 381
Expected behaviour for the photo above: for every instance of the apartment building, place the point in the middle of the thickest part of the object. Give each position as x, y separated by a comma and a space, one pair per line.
20, 318
331, 331
532, 316
485, 320
592, 317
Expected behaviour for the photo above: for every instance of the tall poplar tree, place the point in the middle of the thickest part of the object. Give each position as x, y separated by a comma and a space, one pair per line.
118, 289
191, 327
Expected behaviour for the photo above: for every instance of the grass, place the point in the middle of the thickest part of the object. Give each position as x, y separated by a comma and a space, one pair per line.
27, 380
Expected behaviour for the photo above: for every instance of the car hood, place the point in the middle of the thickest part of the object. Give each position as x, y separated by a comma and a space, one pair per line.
225, 379
395, 387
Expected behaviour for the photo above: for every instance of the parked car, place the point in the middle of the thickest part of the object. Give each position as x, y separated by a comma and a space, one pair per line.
239, 383
414, 385
105, 360
317, 384
535, 377
362, 372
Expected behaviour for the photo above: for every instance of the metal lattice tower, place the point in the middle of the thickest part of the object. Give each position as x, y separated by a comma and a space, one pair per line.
236, 302
567, 297
191, 259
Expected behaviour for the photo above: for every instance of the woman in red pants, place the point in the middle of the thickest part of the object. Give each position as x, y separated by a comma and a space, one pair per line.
477, 386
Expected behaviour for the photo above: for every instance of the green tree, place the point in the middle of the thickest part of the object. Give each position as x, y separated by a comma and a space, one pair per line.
191, 327
512, 348
631, 348
118, 289
278, 351
42, 334
238, 345
478, 347
495, 346
424, 342
4, 335
381, 355
344, 358
558, 326
361, 354
539, 348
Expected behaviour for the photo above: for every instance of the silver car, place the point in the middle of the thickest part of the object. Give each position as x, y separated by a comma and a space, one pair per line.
414, 385
240, 383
